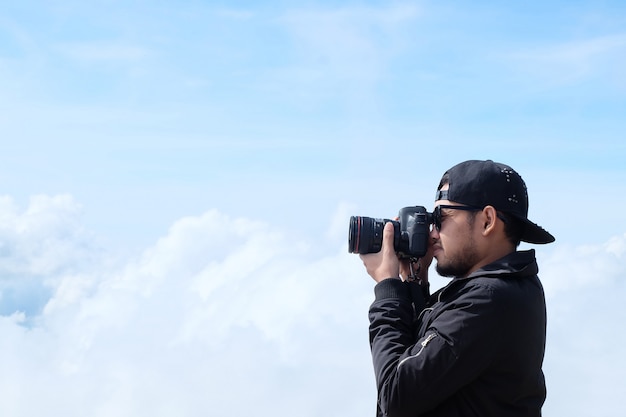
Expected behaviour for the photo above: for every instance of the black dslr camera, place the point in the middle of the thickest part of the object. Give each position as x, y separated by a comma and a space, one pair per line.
410, 239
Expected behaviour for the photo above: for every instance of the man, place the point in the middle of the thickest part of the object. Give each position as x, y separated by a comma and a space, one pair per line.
475, 347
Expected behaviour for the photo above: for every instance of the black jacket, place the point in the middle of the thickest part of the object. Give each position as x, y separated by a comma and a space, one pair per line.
475, 348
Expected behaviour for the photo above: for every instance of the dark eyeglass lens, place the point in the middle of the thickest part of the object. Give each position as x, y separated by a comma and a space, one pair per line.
437, 218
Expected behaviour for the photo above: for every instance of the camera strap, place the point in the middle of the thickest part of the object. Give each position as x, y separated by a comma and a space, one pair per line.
412, 273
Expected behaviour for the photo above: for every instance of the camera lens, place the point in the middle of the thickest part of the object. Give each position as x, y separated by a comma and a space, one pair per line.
365, 234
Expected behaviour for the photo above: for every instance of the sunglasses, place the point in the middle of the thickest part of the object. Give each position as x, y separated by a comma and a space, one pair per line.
437, 213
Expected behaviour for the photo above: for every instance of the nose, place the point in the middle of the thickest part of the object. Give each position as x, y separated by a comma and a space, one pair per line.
434, 233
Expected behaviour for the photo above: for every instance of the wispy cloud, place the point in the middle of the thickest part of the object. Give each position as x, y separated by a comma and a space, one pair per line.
341, 49
569, 62
103, 51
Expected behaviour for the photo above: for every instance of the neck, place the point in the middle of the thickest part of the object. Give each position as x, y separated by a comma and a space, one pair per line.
491, 255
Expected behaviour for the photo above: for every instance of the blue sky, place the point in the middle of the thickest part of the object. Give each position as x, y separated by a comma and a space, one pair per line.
177, 180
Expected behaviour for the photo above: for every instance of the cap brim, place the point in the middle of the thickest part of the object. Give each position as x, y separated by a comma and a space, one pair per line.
533, 233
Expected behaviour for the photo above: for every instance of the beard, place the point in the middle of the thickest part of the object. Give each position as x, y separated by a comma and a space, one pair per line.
458, 265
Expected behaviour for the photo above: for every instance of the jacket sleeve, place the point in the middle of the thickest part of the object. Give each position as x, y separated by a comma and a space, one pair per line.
417, 372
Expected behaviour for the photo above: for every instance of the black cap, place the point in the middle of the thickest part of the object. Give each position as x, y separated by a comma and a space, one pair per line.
488, 183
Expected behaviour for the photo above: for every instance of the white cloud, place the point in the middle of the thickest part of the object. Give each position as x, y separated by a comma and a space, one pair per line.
217, 311
231, 316
571, 268
38, 247
584, 364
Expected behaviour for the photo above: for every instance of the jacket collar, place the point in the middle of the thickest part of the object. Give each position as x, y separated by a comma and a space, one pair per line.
516, 264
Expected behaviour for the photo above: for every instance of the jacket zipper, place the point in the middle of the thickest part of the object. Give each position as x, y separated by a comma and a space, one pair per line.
424, 343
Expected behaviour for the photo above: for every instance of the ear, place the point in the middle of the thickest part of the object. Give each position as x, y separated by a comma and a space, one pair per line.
489, 220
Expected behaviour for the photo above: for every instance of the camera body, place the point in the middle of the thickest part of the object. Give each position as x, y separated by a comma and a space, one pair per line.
410, 237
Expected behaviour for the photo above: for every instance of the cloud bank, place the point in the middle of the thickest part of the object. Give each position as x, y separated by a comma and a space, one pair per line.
220, 316
231, 316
